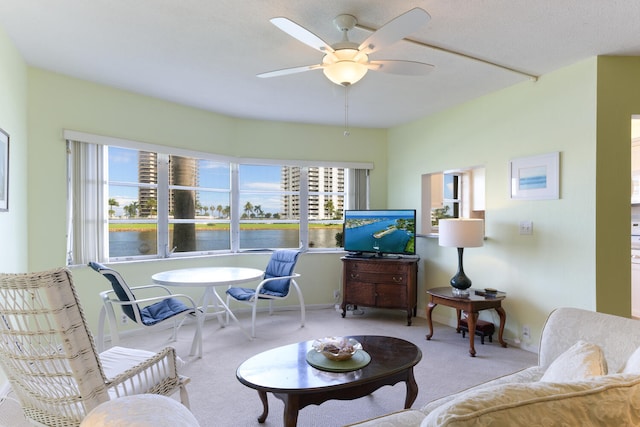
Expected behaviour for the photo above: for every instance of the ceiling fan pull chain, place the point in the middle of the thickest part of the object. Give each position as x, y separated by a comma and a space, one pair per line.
346, 110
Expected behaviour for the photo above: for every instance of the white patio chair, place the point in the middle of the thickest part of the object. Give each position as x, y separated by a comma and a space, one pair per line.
278, 279
48, 354
160, 306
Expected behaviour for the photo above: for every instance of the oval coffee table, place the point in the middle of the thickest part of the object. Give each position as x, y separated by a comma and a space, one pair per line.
284, 372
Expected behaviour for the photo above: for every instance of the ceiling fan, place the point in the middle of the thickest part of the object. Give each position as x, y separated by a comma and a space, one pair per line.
346, 62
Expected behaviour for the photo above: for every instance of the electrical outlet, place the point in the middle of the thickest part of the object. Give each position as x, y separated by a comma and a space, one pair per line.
336, 294
526, 227
124, 318
526, 332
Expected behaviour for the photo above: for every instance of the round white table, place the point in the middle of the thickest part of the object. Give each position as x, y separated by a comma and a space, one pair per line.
209, 278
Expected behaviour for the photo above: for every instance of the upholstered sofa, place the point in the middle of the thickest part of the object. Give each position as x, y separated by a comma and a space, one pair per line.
588, 374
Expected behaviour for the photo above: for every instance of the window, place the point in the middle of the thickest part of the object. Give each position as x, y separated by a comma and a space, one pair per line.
452, 194
145, 203
160, 204
326, 204
269, 206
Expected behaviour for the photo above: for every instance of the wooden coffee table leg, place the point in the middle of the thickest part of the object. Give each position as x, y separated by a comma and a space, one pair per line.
291, 409
430, 308
412, 390
265, 406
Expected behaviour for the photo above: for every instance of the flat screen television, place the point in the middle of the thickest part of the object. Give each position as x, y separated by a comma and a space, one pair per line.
380, 232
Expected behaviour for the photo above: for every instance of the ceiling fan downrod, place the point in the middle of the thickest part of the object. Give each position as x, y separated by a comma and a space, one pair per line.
346, 110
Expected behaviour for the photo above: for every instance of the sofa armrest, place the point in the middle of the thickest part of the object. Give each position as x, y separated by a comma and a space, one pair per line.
617, 336
606, 400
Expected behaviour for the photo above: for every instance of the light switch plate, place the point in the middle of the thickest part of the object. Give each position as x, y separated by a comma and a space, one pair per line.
526, 228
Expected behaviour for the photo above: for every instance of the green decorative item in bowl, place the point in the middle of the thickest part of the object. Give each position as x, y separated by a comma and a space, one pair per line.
337, 348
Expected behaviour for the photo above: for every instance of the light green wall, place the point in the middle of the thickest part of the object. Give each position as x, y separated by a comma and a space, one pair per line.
553, 267
13, 120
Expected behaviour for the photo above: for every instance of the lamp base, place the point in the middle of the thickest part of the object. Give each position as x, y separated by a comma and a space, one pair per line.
460, 284
460, 292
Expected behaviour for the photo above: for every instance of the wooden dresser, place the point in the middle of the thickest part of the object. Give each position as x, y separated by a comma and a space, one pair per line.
380, 282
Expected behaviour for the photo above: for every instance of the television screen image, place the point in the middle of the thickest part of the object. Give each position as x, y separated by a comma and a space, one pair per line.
380, 232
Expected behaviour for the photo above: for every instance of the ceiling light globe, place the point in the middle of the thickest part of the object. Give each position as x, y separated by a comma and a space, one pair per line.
345, 66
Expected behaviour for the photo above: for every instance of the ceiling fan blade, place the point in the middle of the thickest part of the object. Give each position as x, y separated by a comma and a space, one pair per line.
302, 34
286, 71
407, 68
395, 30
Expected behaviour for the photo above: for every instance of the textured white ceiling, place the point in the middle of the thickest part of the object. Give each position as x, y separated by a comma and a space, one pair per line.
206, 54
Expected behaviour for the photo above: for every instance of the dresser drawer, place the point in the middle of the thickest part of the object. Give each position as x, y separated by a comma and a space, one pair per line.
389, 278
375, 268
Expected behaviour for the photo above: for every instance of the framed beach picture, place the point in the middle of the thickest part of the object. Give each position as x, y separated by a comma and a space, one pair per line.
536, 177
4, 171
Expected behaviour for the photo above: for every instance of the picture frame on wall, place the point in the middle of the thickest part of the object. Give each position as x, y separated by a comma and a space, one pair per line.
535, 177
4, 171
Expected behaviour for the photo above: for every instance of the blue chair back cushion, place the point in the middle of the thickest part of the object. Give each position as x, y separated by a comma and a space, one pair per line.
117, 286
282, 263
159, 311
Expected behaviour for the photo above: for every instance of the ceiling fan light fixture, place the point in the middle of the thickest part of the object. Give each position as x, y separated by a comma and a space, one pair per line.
345, 66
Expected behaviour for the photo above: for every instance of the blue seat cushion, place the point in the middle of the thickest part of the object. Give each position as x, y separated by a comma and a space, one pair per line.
245, 294
162, 310
241, 294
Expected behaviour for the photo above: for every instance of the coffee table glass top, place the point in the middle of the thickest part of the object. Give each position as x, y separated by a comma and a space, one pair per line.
285, 368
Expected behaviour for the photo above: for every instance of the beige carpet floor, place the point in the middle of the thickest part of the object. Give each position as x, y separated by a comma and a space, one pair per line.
218, 399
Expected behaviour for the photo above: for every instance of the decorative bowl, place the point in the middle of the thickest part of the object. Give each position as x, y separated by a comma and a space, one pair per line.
337, 348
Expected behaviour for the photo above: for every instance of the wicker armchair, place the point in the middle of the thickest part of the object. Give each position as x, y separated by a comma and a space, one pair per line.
49, 356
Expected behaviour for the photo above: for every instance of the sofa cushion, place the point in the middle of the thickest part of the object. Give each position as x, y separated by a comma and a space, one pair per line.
523, 376
601, 401
582, 360
406, 418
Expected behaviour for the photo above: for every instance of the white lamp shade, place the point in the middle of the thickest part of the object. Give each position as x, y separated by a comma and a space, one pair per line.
461, 232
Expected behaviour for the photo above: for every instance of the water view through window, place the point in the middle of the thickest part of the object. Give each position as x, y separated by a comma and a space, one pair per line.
132, 243
160, 204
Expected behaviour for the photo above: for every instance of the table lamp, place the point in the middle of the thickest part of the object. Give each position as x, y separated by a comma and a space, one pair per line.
461, 233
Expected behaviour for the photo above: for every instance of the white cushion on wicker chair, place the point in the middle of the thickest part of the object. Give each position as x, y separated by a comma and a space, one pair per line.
140, 411
117, 360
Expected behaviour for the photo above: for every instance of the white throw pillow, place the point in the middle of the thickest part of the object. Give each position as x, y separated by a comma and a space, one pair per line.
583, 360
633, 363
